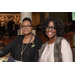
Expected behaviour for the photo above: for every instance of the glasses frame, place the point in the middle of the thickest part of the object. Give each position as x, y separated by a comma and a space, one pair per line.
28, 26
52, 28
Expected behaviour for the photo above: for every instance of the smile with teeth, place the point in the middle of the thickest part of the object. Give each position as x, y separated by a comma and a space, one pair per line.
49, 33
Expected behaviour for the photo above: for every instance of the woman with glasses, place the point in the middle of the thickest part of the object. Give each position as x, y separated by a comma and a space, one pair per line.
57, 48
25, 47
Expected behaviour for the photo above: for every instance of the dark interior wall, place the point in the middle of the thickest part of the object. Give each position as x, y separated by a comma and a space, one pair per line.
9, 12
42, 16
62, 15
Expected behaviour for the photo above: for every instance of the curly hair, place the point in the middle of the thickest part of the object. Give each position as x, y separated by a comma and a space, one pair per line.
58, 23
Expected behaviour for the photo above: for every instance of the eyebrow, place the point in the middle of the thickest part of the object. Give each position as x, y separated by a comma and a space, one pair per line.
25, 25
50, 26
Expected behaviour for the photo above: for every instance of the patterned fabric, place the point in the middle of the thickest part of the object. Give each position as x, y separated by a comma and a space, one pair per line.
57, 50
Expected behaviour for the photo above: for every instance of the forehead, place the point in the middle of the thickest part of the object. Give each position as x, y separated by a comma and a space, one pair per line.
26, 23
51, 23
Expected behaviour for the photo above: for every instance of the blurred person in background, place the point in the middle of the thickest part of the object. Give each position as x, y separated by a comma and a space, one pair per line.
11, 24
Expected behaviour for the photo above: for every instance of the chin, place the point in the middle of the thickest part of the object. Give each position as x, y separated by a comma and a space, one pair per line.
50, 36
27, 33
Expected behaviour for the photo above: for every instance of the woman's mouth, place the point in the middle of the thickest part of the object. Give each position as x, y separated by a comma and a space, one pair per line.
50, 33
25, 30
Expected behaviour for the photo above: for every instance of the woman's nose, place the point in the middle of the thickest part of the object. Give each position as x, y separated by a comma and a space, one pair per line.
50, 29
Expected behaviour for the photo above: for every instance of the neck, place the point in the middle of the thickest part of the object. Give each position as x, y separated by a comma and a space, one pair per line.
28, 36
52, 40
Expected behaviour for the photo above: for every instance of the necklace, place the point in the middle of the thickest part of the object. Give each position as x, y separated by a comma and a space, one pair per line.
25, 47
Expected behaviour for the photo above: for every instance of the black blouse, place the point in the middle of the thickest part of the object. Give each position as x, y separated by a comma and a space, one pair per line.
26, 54
31, 53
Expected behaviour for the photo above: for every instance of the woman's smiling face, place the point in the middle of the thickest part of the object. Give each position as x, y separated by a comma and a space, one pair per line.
26, 27
50, 30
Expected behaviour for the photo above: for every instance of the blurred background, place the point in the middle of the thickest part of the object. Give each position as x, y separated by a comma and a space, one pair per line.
15, 18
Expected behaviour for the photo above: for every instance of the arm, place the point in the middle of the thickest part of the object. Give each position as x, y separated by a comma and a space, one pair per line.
5, 50
66, 51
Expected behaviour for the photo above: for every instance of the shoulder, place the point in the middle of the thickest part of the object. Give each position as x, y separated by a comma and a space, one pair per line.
20, 36
61, 39
44, 44
37, 39
65, 42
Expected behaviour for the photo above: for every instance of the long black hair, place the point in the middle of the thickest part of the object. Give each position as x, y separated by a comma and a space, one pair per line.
58, 23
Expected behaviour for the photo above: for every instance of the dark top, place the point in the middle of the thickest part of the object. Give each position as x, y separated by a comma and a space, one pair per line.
10, 24
31, 54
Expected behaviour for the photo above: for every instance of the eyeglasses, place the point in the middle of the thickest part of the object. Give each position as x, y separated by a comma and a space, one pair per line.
28, 26
52, 28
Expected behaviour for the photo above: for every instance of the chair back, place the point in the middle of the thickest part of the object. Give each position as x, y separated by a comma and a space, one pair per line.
73, 51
